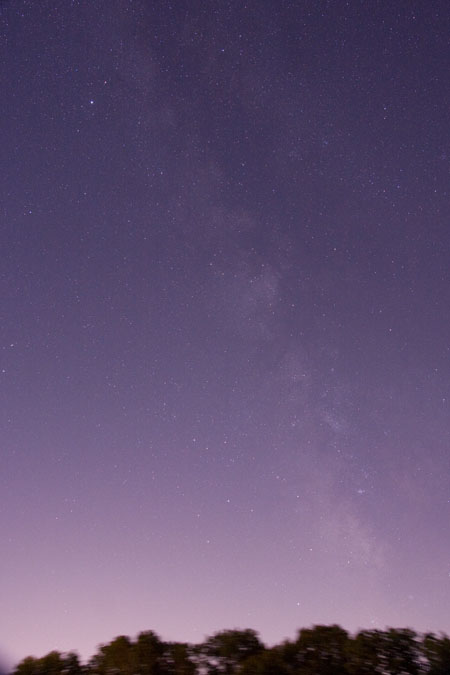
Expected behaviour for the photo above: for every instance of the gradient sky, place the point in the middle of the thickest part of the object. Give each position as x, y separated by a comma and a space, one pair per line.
225, 329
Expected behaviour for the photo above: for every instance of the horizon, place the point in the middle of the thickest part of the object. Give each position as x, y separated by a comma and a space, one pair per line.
84, 660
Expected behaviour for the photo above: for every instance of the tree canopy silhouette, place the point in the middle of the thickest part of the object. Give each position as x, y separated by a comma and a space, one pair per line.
319, 650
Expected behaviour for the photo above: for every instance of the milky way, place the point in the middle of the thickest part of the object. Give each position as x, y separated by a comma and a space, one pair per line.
224, 352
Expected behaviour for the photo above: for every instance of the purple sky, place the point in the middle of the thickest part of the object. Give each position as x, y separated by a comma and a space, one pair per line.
225, 295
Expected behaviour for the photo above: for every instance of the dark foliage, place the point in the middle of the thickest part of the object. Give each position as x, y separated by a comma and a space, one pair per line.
320, 650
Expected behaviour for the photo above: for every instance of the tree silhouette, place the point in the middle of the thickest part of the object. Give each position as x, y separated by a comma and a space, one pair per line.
320, 650
225, 651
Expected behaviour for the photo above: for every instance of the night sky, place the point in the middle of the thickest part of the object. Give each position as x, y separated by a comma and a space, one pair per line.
225, 327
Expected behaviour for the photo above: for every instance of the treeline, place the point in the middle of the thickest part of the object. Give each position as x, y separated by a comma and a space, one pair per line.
321, 650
